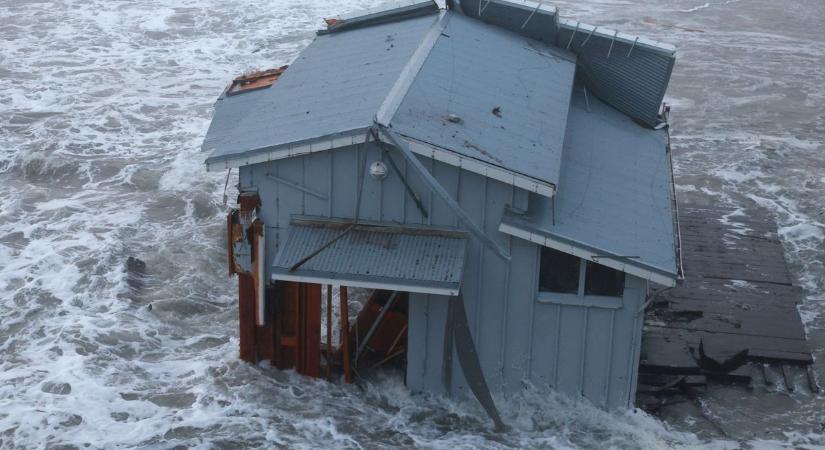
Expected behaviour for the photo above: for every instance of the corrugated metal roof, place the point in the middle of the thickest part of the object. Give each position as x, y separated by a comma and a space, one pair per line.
492, 95
614, 196
532, 19
335, 86
414, 259
627, 72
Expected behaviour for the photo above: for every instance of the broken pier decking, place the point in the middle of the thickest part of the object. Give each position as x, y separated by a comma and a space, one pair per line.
736, 305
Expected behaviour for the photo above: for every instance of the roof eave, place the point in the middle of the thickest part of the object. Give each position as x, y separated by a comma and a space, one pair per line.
544, 238
287, 150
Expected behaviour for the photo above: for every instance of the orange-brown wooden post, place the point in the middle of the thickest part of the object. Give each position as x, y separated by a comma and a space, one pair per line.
345, 334
329, 331
246, 313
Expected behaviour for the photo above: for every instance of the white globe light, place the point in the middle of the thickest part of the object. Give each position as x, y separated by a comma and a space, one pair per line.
378, 170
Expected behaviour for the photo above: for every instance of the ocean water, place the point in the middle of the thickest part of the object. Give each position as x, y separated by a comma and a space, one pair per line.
103, 106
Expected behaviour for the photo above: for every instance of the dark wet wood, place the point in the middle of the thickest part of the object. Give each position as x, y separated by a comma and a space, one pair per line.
737, 302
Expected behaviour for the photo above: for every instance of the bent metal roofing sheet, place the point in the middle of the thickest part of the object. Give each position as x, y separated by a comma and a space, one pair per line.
614, 200
373, 255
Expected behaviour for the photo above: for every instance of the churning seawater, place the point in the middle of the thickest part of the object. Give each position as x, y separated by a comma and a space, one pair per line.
103, 106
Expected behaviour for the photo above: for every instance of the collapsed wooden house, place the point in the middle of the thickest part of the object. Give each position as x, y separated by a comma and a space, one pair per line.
499, 176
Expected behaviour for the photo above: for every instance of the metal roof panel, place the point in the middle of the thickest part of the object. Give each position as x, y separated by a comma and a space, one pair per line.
630, 73
615, 194
334, 86
419, 259
492, 95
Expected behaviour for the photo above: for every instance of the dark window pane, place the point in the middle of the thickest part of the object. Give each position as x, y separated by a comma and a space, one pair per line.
559, 272
602, 280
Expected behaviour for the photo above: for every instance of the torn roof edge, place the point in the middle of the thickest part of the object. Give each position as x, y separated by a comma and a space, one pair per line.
393, 11
575, 25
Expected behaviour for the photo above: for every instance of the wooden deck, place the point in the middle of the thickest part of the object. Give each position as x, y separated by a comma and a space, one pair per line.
736, 305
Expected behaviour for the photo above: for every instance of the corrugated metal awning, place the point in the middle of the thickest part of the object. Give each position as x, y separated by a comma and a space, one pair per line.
372, 255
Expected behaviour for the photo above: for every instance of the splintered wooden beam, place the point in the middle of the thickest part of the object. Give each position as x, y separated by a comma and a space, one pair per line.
329, 331
436, 187
345, 334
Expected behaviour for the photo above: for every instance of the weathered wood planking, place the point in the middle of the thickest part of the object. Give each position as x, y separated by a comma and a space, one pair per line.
737, 295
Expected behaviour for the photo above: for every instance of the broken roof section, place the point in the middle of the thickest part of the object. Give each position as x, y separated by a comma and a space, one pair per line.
630, 73
614, 203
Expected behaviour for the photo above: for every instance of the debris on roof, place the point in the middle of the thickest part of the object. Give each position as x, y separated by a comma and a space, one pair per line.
258, 79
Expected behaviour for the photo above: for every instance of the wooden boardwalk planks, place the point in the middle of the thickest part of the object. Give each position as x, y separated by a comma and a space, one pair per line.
736, 304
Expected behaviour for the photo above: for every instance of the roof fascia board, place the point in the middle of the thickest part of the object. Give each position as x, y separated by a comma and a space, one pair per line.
448, 289
402, 85
476, 166
320, 144
582, 251
638, 41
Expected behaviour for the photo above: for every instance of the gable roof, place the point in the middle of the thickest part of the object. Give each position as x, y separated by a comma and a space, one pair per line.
615, 197
490, 97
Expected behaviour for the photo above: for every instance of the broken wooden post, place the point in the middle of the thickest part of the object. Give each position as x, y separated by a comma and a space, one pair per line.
329, 331
345, 334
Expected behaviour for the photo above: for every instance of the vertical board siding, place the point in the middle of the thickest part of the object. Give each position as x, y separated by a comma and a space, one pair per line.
394, 195
590, 352
597, 355
417, 342
516, 358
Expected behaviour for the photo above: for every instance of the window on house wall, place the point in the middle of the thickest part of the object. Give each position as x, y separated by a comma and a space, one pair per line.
559, 272
602, 280
565, 274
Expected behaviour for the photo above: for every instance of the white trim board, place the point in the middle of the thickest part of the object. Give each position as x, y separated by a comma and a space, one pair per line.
588, 255
344, 281
290, 151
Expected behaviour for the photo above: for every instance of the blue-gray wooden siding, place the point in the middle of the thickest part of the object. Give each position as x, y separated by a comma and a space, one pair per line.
570, 348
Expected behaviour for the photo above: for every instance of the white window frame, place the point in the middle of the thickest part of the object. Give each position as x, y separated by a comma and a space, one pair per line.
579, 298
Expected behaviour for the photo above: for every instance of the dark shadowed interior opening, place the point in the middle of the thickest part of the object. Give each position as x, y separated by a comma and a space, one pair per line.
602, 280
559, 272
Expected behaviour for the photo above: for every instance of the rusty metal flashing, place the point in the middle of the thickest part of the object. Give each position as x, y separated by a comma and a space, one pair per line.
253, 81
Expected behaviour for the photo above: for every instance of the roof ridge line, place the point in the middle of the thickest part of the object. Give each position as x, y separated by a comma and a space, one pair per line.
402, 85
